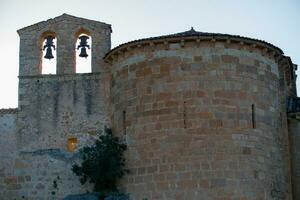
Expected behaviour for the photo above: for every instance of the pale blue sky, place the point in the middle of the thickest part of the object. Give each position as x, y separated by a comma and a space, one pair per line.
275, 21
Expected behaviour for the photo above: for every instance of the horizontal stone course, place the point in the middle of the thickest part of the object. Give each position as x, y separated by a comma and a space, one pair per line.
203, 115
207, 96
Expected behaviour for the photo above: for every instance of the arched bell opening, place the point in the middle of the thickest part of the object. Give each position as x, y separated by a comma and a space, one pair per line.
48, 55
83, 52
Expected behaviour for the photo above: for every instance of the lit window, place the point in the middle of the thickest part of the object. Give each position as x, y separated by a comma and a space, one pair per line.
72, 142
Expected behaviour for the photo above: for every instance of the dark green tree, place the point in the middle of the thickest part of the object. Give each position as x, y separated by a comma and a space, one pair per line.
103, 164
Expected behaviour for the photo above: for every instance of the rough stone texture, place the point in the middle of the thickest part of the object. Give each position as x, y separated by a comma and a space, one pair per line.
203, 115
35, 163
53, 109
189, 126
294, 132
66, 29
88, 196
8, 130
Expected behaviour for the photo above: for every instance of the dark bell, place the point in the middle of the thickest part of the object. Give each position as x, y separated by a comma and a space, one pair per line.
49, 54
83, 40
83, 44
48, 46
83, 52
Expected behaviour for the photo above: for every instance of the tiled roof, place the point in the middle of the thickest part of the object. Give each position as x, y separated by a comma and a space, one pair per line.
192, 34
9, 111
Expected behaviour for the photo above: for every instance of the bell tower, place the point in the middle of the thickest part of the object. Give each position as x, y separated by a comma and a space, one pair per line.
66, 103
65, 29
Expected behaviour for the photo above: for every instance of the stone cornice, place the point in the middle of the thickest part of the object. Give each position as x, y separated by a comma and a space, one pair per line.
196, 37
8, 111
65, 77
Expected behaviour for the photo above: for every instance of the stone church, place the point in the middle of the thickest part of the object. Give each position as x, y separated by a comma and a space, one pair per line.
206, 116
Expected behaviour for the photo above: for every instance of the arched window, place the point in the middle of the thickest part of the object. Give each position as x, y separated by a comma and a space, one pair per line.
83, 52
48, 60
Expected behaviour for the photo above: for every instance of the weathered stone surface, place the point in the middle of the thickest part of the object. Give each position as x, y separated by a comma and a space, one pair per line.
193, 117
204, 118
294, 133
88, 196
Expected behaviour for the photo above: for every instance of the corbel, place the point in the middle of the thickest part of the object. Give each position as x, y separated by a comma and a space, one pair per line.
182, 43
198, 40
166, 44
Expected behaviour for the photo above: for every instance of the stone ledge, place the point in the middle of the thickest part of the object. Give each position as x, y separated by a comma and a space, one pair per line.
295, 115
57, 154
66, 77
8, 111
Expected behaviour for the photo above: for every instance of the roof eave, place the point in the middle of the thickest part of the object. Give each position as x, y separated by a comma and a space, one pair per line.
177, 37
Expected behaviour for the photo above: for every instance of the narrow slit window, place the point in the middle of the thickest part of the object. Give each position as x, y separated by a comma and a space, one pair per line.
72, 143
124, 122
184, 114
49, 55
280, 119
253, 116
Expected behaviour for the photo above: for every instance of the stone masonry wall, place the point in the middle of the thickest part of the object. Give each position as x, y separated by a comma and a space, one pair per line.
53, 108
186, 113
66, 29
204, 117
8, 130
294, 133
35, 162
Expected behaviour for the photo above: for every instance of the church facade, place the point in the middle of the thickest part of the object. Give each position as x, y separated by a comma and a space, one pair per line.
205, 115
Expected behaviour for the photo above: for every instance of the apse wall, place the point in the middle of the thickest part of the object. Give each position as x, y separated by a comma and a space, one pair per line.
203, 120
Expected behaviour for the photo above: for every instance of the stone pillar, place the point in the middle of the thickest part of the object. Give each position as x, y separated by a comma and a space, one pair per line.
294, 133
30, 55
100, 46
66, 58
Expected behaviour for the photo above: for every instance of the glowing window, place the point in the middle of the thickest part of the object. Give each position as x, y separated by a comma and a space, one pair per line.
72, 143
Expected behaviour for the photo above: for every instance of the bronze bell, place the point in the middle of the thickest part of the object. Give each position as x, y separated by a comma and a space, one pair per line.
83, 52
49, 53
48, 46
83, 44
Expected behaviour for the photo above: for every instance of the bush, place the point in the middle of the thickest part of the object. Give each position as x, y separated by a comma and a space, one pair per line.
103, 164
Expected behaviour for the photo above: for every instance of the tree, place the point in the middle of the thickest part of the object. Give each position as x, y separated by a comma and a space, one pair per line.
103, 163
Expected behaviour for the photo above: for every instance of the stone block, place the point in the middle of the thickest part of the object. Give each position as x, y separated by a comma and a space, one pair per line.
217, 183
230, 59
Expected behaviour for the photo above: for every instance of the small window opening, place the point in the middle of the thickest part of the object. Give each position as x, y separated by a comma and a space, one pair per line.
280, 120
72, 143
83, 54
253, 116
49, 55
124, 122
184, 114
